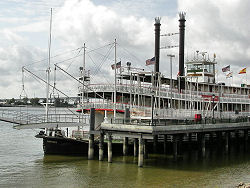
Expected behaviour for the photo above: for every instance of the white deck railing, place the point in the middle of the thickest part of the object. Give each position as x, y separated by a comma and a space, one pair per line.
21, 117
145, 112
166, 93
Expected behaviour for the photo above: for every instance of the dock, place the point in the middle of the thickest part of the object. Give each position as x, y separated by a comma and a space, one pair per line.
141, 137
154, 137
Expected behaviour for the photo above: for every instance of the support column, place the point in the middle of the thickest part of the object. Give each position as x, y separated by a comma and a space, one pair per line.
246, 135
125, 146
91, 147
211, 137
165, 144
101, 147
140, 157
219, 139
175, 147
227, 141
145, 149
246, 139
203, 144
109, 148
135, 147
190, 141
237, 136
155, 142
91, 136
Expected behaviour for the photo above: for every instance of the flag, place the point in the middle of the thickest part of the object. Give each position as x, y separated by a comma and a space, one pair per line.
118, 65
178, 74
229, 75
150, 61
243, 71
225, 69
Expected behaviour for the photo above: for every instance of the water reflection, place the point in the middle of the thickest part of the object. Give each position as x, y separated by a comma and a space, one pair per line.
24, 165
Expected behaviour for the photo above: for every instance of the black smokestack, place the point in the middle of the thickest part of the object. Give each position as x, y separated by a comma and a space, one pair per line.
181, 47
157, 42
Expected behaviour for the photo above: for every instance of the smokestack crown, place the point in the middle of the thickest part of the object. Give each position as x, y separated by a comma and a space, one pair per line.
182, 15
157, 20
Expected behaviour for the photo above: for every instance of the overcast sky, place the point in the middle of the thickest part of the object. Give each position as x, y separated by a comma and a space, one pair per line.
219, 27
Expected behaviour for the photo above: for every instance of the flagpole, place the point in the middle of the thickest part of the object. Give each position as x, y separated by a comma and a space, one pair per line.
232, 80
246, 76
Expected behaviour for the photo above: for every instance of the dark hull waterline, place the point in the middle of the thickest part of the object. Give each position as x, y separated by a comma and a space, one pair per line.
67, 146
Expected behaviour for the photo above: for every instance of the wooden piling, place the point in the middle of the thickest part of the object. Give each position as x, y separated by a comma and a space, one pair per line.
246, 135
227, 135
165, 144
155, 142
109, 148
125, 146
91, 147
141, 148
145, 148
175, 147
101, 147
135, 147
203, 144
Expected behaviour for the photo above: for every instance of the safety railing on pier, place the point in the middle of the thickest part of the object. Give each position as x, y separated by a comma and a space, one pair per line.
21, 117
166, 122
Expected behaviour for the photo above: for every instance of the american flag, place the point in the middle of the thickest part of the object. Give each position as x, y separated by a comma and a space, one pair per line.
118, 65
225, 69
150, 61
230, 75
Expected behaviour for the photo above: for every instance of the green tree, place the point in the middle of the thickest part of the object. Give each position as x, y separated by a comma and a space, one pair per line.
25, 100
12, 101
34, 101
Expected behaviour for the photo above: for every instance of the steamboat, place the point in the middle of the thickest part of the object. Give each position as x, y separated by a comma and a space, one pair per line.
151, 98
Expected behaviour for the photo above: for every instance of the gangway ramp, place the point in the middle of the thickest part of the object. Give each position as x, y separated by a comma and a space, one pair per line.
25, 120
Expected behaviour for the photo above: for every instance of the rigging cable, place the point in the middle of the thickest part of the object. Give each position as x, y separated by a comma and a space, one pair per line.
103, 60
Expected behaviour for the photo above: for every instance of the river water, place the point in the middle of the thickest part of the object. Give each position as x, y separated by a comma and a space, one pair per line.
23, 164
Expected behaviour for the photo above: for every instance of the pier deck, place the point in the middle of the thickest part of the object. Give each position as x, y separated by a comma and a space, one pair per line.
175, 129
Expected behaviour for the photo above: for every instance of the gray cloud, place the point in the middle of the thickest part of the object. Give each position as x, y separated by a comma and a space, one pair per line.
217, 27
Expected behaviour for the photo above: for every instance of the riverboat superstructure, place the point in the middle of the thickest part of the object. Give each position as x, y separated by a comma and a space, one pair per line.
195, 94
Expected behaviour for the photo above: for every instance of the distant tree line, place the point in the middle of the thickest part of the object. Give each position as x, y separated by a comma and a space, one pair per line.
36, 102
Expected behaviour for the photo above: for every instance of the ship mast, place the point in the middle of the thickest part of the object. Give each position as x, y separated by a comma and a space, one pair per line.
115, 85
83, 75
48, 70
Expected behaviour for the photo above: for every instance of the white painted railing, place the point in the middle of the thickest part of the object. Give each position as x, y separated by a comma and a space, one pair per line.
166, 93
21, 117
